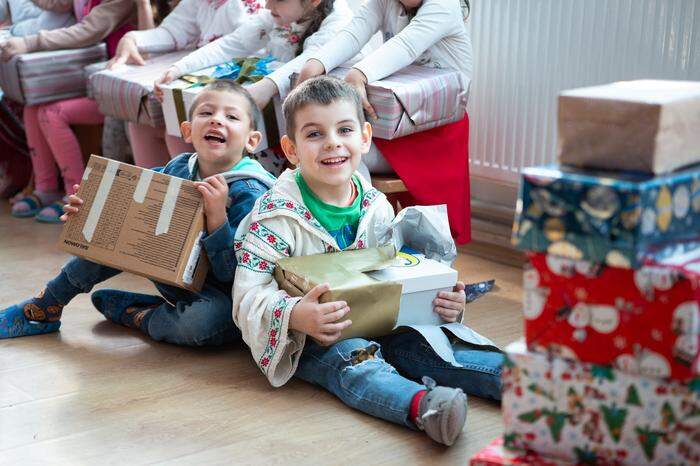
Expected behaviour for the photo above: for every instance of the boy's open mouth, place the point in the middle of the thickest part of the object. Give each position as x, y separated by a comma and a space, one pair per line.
334, 161
215, 136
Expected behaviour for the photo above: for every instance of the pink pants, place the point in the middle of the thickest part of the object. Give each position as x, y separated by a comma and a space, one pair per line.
152, 147
52, 143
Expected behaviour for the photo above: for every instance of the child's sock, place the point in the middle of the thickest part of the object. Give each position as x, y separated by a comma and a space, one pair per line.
136, 317
42, 308
415, 405
126, 308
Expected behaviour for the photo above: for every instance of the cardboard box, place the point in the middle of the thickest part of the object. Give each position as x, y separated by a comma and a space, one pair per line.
649, 126
139, 221
648, 323
179, 95
605, 217
383, 290
127, 92
414, 99
40, 77
494, 454
589, 414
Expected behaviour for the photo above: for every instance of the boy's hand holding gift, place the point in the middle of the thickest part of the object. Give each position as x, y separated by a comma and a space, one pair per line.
358, 80
73, 206
170, 75
319, 321
450, 305
214, 190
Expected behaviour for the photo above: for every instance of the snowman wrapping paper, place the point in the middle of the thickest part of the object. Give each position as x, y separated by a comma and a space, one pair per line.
613, 218
644, 321
590, 414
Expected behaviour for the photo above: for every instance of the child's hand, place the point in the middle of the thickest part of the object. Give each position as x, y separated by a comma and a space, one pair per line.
262, 92
311, 69
73, 206
214, 190
358, 80
170, 75
11, 47
319, 321
127, 53
450, 304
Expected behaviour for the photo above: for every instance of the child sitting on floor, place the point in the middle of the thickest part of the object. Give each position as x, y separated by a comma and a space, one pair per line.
326, 206
221, 126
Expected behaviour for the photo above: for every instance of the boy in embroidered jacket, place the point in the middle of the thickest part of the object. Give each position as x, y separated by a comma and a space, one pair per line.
326, 206
221, 127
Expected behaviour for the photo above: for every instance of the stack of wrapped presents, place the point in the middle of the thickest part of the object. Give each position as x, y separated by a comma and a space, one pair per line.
609, 369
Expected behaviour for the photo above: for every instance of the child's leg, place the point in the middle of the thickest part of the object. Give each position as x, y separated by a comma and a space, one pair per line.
148, 146
177, 146
196, 319
42, 313
43, 165
413, 357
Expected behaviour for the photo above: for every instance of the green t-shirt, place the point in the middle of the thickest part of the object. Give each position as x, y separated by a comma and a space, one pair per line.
340, 222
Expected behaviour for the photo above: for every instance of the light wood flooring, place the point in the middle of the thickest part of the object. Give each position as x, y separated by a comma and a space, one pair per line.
97, 393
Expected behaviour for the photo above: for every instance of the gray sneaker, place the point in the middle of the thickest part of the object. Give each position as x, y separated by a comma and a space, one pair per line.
442, 412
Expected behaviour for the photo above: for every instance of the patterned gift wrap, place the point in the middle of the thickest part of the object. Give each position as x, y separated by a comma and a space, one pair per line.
597, 415
647, 323
40, 77
494, 454
605, 217
127, 92
414, 99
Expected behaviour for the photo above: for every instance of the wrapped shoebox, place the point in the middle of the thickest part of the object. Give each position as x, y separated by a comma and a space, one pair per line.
139, 221
494, 454
127, 92
383, 290
644, 321
589, 414
40, 77
649, 126
179, 95
605, 217
414, 99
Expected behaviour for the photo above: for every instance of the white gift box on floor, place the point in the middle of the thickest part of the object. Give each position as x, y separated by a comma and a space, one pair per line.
179, 95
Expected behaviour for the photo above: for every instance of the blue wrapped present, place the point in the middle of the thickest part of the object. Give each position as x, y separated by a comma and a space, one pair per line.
615, 218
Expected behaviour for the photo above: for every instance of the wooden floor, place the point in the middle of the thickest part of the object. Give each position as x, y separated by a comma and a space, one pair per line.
97, 393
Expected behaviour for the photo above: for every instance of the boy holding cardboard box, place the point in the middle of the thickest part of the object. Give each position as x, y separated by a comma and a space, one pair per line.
221, 128
326, 206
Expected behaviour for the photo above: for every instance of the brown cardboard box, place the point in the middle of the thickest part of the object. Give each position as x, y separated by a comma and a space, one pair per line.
649, 126
139, 221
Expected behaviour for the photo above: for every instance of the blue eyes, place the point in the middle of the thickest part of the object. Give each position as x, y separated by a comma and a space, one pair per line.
344, 131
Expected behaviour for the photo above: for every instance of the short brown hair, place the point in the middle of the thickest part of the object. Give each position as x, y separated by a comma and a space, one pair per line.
232, 87
323, 90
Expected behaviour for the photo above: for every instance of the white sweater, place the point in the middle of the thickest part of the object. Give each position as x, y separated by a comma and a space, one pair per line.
281, 226
194, 23
259, 35
436, 37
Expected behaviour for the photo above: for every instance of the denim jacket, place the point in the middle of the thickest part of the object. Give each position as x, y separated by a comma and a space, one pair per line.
247, 181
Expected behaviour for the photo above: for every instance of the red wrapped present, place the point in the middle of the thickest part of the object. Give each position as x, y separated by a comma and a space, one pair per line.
643, 321
494, 454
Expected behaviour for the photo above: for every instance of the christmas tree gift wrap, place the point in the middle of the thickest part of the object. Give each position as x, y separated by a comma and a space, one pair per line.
647, 323
605, 217
40, 77
495, 454
179, 95
646, 125
589, 414
127, 92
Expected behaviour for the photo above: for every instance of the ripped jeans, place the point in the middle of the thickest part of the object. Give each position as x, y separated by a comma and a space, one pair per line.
379, 380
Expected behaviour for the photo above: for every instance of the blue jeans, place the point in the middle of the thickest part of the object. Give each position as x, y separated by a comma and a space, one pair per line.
193, 319
382, 386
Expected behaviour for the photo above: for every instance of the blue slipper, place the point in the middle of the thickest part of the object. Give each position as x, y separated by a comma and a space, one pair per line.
54, 214
114, 303
13, 323
34, 204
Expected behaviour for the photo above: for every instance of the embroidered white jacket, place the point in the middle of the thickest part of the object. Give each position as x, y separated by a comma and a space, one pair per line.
281, 226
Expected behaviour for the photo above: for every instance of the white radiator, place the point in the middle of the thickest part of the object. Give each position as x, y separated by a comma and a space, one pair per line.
526, 51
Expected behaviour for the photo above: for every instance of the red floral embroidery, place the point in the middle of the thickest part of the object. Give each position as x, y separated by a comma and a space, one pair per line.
270, 205
289, 205
278, 313
237, 245
273, 341
271, 239
263, 265
293, 38
307, 215
360, 244
365, 203
273, 333
254, 226
265, 361
245, 257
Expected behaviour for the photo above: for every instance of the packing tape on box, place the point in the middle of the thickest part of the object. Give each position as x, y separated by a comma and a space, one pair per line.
166, 211
100, 199
142, 186
86, 173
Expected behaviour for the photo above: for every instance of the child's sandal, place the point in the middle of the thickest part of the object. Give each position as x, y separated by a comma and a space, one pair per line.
32, 201
51, 213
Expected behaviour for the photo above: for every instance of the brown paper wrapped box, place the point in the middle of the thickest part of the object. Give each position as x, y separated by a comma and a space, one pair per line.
139, 221
649, 126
